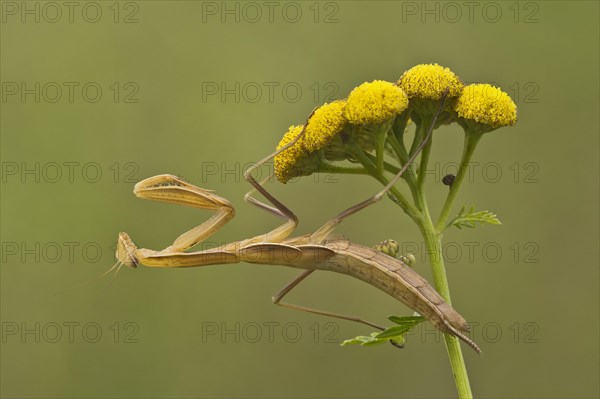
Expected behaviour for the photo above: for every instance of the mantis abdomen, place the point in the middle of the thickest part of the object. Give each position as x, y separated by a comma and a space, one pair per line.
371, 266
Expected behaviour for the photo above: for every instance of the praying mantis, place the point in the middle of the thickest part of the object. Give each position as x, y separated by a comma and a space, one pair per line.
317, 251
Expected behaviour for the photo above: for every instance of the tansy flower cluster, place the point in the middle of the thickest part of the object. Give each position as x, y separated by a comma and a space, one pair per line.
486, 106
322, 131
376, 113
371, 130
295, 160
375, 102
429, 81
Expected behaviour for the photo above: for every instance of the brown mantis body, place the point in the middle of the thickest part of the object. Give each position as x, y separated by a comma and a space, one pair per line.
317, 251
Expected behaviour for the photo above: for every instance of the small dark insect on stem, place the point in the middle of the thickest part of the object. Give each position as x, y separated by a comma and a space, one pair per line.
448, 180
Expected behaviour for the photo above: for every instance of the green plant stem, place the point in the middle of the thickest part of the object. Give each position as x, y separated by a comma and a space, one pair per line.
409, 208
470, 142
388, 167
431, 234
380, 149
433, 244
425, 124
417, 139
347, 170
403, 158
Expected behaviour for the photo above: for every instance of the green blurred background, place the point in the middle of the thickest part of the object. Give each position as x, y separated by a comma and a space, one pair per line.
69, 165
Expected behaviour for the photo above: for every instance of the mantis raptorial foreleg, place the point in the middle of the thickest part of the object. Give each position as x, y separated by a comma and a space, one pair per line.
171, 189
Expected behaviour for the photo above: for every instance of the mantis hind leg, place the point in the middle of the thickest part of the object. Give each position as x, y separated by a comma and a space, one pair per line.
285, 290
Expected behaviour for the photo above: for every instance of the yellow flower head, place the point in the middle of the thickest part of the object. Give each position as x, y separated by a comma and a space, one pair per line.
375, 102
487, 106
294, 161
429, 81
327, 121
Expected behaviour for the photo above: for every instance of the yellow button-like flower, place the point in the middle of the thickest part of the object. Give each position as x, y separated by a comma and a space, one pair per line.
375, 102
429, 81
296, 160
285, 160
486, 105
327, 121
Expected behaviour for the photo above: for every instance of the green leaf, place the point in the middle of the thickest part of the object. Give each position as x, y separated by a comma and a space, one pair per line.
405, 324
401, 320
374, 342
364, 340
470, 219
394, 333
356, 340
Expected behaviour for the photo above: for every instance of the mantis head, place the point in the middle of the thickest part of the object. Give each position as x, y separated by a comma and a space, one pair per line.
126, 251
